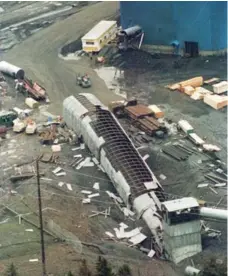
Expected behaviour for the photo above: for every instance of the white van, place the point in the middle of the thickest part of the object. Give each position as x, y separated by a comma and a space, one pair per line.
99, 36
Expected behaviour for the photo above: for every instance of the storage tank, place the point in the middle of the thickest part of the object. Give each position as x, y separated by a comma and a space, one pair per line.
11, 70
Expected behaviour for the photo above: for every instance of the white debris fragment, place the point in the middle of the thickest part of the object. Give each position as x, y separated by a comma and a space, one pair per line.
132, 233
56, 148
128, 212
46, 179
58, 169
138, 238
61, 184
109, 234
33, 260
29, 230
210, 147
118, 234
86, 200
162, 176
111, 195
199, 161
96, 186
69, 186
202, 185
82, 146
77, 155
123, 225
86, 192
93, 195
220, 185
6, 169
219, 170
60, 174
75, 148
151, 253
146, 157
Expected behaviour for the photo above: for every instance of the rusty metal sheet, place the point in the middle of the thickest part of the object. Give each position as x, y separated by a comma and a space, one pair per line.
138, 111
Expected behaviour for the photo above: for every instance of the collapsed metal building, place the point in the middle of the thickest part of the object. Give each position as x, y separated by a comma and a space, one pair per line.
174, 224
107, 140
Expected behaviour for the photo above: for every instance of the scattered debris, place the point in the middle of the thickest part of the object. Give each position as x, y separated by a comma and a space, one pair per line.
146, 157
31, 103
151, 253
213, 190
86, 200
202, 185
93, 195
86, 192
29, 230
109, 234
194, 82
56, 148
33, 260
211, 80
96, 186
138, 239
162, 176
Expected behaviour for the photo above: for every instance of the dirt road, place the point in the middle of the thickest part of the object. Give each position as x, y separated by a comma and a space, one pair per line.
38, 55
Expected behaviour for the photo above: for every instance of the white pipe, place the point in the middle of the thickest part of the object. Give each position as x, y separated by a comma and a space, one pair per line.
213, 213
11, 70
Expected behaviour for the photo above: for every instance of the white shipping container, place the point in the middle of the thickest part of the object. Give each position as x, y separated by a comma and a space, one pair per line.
185, 126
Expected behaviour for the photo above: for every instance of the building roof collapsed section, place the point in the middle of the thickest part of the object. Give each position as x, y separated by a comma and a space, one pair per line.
112, 147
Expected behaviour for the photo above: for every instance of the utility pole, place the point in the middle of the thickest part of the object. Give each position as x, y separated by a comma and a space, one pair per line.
41, 219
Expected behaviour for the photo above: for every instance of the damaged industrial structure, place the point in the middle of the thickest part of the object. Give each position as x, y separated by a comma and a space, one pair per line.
175, 225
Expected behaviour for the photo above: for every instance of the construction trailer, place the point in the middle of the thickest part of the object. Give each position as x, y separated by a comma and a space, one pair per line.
99, 36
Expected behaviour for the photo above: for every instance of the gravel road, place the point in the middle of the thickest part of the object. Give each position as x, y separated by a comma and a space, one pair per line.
38, 55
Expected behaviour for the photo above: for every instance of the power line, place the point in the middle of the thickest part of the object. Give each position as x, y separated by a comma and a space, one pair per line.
41, 219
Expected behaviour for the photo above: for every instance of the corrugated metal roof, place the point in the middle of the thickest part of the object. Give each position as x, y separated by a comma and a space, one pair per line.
180, 204
99, 29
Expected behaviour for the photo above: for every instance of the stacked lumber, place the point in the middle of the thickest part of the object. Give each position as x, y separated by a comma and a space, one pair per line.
221, 87
194, 82
156, 111
216, 101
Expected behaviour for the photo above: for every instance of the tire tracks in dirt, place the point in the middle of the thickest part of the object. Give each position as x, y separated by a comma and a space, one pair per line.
38, 56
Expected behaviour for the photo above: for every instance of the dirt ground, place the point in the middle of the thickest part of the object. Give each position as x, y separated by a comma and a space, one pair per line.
145, 77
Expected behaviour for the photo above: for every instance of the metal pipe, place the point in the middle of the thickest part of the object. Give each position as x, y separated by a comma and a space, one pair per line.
213, 213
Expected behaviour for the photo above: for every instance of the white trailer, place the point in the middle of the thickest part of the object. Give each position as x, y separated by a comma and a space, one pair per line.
99, 36
11, 70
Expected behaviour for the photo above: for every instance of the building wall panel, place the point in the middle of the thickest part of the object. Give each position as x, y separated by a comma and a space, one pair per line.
204, 22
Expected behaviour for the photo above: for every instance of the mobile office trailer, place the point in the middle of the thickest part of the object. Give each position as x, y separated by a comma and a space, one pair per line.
99, 36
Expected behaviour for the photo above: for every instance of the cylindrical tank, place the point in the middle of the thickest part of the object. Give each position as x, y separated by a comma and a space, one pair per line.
192, 271
213, 213
132, 30
11, 70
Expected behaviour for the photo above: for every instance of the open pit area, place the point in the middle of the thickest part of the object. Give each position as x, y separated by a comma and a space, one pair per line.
37, 36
